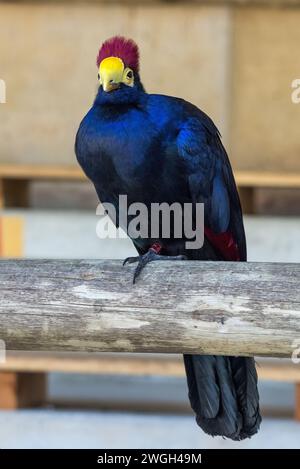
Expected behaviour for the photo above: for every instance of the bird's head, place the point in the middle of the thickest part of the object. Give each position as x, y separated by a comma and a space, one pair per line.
118, 65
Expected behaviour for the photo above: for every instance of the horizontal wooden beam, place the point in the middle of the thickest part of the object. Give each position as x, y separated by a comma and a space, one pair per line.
283, 3
175, 307
243, 178
145, 364
134, 364
272, 180
34, 171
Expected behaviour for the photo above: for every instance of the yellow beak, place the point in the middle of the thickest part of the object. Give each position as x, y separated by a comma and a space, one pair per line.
111, 72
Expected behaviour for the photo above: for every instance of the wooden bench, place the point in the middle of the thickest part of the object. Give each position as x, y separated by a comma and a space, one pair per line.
23, 377
15, 180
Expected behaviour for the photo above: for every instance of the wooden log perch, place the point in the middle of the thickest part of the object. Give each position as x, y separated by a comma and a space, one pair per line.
175, 307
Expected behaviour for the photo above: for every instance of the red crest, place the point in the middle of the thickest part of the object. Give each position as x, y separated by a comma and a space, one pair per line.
125, 49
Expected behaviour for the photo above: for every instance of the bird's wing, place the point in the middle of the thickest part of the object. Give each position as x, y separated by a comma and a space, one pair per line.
211, 182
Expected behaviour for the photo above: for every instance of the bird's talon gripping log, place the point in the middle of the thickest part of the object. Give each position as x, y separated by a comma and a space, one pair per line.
131, 260
145, 259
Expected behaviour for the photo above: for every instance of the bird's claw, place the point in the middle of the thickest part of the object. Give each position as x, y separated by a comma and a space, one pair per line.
150, 256
131, 260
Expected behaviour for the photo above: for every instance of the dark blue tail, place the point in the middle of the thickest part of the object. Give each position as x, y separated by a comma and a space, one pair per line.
223, 394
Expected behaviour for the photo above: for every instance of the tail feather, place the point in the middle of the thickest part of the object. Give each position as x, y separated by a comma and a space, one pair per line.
223, 394
205, 393
245, 381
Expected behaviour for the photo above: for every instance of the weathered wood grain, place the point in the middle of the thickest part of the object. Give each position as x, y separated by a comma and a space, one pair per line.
175, 307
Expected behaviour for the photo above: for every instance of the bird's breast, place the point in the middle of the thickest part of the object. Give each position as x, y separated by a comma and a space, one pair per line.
131, 156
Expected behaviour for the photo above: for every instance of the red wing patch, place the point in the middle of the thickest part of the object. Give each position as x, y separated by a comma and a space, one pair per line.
224, 243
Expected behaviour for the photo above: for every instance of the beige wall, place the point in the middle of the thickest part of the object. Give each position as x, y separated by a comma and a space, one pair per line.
265, 123
48, 53
236, 63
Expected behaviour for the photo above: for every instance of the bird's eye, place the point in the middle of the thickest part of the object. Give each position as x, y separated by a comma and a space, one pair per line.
129, 75
98, 76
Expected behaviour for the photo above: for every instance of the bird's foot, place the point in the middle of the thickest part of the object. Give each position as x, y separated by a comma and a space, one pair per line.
150, 256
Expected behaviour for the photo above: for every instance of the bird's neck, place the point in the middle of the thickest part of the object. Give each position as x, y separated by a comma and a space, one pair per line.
125, 95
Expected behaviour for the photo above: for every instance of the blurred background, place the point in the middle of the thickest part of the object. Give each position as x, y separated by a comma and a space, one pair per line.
236, 60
